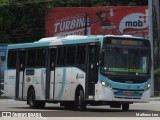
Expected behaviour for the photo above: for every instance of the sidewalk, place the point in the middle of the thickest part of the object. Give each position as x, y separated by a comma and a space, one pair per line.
155, 98
3, 97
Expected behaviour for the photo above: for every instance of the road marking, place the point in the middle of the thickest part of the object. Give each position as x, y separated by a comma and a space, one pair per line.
44, 118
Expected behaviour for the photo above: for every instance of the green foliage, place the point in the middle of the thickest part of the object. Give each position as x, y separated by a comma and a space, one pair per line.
22, 22
4, 2
132, 4
157, 72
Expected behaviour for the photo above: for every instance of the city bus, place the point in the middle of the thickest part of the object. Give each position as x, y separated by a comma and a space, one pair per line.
75, 71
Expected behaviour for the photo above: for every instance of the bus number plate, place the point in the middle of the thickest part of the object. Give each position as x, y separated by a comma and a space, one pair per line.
127, 93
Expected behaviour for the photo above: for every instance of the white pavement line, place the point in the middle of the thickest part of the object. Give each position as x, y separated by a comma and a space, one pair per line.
44, 118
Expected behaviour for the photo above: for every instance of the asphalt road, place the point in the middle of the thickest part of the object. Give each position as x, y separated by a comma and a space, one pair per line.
151, 109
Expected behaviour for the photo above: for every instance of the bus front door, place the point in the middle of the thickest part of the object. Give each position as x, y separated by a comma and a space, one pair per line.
50, 78
92, 70
20, 74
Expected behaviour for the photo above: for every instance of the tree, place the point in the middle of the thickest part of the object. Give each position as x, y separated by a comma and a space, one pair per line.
22, 22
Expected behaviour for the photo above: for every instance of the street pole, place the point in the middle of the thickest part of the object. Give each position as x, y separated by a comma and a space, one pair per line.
150, 7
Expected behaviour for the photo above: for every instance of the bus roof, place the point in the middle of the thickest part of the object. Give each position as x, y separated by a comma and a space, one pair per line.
125, 36
71, 39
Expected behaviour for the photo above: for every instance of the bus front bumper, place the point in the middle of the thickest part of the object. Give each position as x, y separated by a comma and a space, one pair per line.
106, 94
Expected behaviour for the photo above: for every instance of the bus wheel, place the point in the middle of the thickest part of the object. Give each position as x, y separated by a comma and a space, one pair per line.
34, 103
81, 102
125, 107
31, 99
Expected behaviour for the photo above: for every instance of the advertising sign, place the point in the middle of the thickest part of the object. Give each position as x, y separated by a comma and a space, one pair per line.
117, 20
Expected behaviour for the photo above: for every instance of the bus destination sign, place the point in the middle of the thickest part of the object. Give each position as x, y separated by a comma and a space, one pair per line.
126, 42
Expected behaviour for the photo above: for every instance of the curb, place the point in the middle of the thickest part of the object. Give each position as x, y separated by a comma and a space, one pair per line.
155, 99
3, 97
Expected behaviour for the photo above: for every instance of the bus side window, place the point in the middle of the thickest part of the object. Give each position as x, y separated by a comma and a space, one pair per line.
81, 54
22, 60
31, 58
61, 56
71, 54
41, 58
53, 58
12, 59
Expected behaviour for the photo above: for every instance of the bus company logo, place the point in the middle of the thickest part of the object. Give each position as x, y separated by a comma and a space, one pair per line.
79, 76
133, 21
28, 79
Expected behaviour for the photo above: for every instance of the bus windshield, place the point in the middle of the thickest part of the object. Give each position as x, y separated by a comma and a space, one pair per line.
123, 62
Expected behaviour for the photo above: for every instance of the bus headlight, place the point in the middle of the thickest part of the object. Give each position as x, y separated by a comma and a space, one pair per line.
147, 87
106, 84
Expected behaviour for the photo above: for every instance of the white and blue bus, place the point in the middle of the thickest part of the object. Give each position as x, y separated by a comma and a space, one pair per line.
77, 71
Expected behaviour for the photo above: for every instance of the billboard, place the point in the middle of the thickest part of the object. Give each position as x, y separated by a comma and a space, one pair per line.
117, 20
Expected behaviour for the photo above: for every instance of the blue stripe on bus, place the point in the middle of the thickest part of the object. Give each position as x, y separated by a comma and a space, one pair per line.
63, 84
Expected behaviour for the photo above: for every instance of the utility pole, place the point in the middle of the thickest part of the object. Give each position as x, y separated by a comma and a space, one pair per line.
154, 37
151, 41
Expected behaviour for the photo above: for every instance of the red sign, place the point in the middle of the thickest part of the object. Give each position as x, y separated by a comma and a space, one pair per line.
117, 20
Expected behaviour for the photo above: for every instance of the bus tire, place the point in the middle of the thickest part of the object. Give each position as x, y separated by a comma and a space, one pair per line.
125, 107
33, 103
81, 101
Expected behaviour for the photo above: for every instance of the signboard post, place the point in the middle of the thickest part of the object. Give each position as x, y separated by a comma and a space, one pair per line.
151, 41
